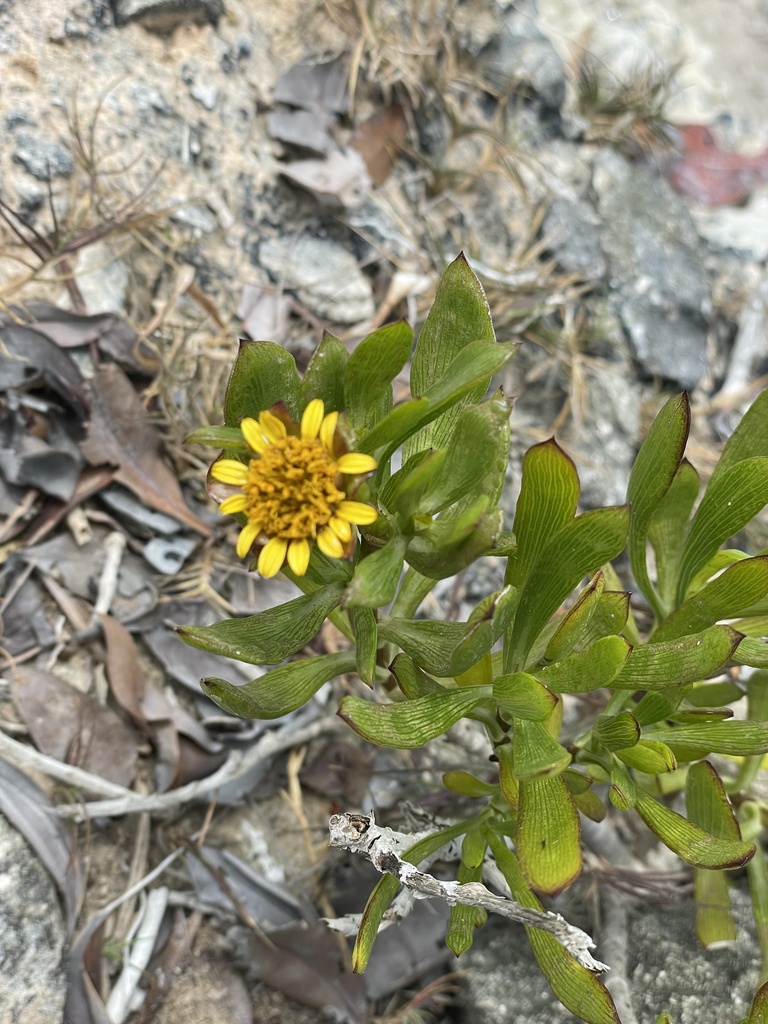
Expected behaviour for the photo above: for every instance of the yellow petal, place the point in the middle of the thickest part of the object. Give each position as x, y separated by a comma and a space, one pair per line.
248, 535
357, 512
298, 556
355, 463
328, 429
311, 421
272, 428
254, 438
229, 471
341, 528
330, 544
236, 503
272, 557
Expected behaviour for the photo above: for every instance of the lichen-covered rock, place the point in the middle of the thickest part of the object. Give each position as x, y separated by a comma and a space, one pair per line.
32, 936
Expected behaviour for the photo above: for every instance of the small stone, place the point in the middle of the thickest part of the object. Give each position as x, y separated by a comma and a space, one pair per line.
301, 128
43, 160
101, 279
206, 95
521, 55
743, 229
572, 229
163, 16
325, 276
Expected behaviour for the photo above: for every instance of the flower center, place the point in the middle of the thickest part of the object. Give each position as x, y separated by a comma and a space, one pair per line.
291, 489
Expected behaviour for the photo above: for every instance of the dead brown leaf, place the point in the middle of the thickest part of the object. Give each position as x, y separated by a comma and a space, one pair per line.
118, 434
379, 140
73, 727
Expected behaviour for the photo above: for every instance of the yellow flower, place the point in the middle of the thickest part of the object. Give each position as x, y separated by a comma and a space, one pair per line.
292, 489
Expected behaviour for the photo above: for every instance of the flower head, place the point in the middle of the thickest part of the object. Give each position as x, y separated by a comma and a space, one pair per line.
292, 489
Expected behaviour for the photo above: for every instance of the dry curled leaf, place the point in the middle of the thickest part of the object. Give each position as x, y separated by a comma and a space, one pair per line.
379, 141
118, 434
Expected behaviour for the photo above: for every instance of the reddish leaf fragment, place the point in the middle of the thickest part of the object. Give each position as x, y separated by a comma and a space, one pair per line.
707, 174
118, 434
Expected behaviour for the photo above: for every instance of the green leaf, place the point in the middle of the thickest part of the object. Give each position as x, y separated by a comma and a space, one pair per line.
281, 690
575, 551
263, 375
610, 617
733, 737
690, 842
363, 622
664, 1019
715, 924
576, 987
730, 594
474, 365
548, 834
623, 791
446, 545
707, 805
572, 627
468, 785
431, 643
411, 723
656, 705
668, 525
473, 848
549, 494
710, 695
654, 470
218, 437
615, 732
685, 660
404, 492
321, 572
324, 376
750, 438
649, 756
758, 1012
519, 695
376, 576
271, 636
589, 804
370, 370
411, 680
536, 752
587, 670
459, 316
752, 652
463, 920
730, 501
470, 457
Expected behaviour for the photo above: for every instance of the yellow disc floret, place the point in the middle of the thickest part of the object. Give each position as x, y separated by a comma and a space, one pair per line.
291, 491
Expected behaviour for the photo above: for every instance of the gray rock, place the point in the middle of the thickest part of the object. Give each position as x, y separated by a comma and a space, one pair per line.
668, 970
522, 55
656, 268
603, 445
32, 936
166, 15
572, 228
308, 129
742, 229
324, 275
42, 159
102, 279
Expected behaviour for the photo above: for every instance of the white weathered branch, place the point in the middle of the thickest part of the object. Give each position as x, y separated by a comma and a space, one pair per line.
384, 847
